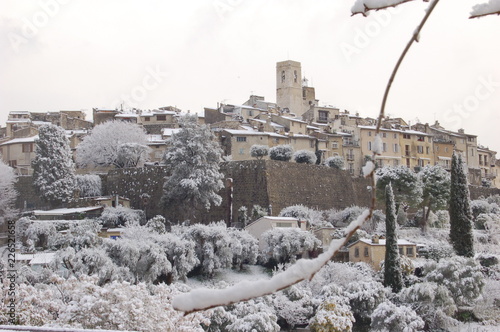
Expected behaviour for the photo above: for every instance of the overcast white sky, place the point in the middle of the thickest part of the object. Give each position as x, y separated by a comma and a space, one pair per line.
80, 54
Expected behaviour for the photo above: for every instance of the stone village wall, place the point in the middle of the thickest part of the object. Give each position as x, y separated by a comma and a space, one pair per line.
254, 182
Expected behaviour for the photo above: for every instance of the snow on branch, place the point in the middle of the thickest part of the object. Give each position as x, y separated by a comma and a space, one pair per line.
492, 7
363, 7
304, 269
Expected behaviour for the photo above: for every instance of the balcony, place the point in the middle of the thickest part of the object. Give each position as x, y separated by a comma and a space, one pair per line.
349, 157
350, 143
490, 176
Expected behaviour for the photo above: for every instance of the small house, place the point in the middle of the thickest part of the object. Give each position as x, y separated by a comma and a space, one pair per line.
261, 225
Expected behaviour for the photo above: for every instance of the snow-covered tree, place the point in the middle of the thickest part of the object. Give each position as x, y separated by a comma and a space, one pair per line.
460, 212
121, 216
192, 161
294, 306
157, 224
335, 162
243, 217
7, 192
388, 317
461, 276
258, 212
90, 185
314, 217
281, 152
406, 185
305, 157
283, 245
212, 245
53, 167
245, 247
253, 316
436, 191
364, 297
259, 151
131, 154
333, 315
392, 265
101, 147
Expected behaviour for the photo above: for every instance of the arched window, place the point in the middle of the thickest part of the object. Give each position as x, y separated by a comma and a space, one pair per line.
295, 76
283, 76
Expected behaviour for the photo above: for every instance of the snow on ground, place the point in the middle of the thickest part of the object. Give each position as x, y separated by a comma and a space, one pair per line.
230, 276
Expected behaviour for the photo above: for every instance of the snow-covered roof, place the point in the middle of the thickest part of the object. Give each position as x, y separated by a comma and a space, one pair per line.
42, 258
245, 132
126, 115
114, 230
169, 131
19, 112
155, 139
24, 257
381, 242
280, 218
21, 140
273, 124
276, 135
61, 212
313, 127
23, 120
444, 158
293, 119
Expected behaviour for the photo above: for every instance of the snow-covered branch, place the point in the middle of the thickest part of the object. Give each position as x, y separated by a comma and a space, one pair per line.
363, 7
492, 7
304, 269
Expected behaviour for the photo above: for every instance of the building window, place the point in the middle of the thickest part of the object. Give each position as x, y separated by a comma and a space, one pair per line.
366, 252
421, 162
396, 148
241, 139
384, 147
446, 149
351, 168
295, 76
395, 162
384, 135
370, 133
401, 251
407, 150
429, 139
13, 163
486, 160
283, 76
312, 143
472, 152
471, 139
161, 117
27, 147
395, 136
147, 119
335, 145
427, 150
408, 162
283, 224
369, 146
356, 252
406, 136
322, 116
409, 252
420, 149
250, 112
242, 151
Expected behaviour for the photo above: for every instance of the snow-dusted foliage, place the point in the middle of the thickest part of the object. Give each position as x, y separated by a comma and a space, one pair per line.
101, 146
405, 184
157, 224
244, 247
258, 212
294, 306
281, 152
432, 302
305, 157
461, 276
121, 216
460, 212
342, 218
283, 245
436, 189
259, 151
82, 303
335, 162
131, 155
89, 185
212, 245
333, 315
364, 297
388, 317
7, 192
193, 163
313, 217
488, 8
243, 218
41, 235
253, 316
392, 265
53, 167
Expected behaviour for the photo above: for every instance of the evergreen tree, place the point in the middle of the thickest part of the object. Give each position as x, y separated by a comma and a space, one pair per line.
392, 266
405, 183
53, 167
436, 191
460, 211
193, 164
7, 192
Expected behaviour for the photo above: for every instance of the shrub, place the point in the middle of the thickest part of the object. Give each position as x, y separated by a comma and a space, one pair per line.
259, 151
335, 162
281, 152
304, 157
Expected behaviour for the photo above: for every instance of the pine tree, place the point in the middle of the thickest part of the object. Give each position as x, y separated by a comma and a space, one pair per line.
8, 193
392, 266
460, 211
53, 167
193, 164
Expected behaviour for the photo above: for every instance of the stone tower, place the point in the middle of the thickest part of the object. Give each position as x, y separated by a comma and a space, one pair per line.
289, 87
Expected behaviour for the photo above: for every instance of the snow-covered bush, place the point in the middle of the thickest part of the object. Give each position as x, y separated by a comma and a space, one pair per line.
335, 162
212, 245
245, 247
364, 297
484, 219
281, 152
258, 212
442, 219
7, 192
294, 307
433, 302
253, 316
283, 245
101, 147
259, 151
42, 235
301, 212
131, 154
243, 218
53, 167
480, 206
305, 157
157, 224
121, 216
333, 315
461, 276
388, 317
90, 185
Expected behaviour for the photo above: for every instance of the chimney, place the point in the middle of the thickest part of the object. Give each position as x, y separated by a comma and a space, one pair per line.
375, 239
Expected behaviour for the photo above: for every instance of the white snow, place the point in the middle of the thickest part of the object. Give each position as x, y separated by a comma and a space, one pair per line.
61, 212
362, 6
377, 145
304, 269
368, 168
489, 8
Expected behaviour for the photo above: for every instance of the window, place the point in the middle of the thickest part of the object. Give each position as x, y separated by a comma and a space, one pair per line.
396, 148
13, 163
421, 162
370, 133
407, 150
408, 162
470, 139
356, 252
147, 118
161, 117
295, 76
369, 146
241, 139
384, 147
384, 135
472, 152
437, 148
312, 143
480, 160
322, 116
250, 112
242, 151
409, 252
335, 145
395, 162
395, 135
446, 149
429, 139
427, 150
420, 149
406, 136
351, 168
27, 147
486, 160
283, 76
283, 224
366, 252
421, 138
401, 251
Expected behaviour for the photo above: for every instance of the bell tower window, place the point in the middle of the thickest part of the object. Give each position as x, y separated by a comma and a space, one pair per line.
283, 76
295, 76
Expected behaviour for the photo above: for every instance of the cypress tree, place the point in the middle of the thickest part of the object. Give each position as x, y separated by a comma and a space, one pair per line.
392, 267
460, 211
